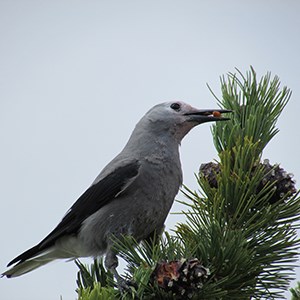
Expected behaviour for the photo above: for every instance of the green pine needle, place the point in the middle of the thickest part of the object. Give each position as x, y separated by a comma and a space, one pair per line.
296, 292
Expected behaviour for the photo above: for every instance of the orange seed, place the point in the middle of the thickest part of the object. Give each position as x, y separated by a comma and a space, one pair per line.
216, 114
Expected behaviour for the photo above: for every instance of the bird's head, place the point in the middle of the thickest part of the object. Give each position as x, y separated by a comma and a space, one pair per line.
178, 118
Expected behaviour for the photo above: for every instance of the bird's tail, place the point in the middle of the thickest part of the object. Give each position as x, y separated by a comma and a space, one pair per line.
31, 264
27, 266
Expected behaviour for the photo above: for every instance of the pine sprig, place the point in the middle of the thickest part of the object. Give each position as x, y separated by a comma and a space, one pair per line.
256, 106
94, 282
234, 229
97, 292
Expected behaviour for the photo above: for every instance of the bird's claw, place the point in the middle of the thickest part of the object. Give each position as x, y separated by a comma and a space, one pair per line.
126, 285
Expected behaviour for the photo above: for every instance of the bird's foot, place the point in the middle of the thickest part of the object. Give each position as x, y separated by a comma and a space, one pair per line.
126, 286
123, 284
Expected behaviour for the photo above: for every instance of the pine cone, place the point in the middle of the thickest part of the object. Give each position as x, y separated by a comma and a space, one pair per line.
210, 172
181, 277
283, 184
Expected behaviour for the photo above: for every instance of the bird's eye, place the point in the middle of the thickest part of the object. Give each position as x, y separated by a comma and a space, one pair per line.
175, 106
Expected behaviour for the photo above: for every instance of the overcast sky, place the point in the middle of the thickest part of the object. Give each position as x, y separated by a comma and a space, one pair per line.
75, 77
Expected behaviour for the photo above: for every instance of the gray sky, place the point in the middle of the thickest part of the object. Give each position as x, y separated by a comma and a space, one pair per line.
75, 77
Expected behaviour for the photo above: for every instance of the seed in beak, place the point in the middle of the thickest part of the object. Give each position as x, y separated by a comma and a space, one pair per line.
217, 114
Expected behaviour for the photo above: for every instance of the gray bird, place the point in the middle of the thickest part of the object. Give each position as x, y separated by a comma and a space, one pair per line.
132, 195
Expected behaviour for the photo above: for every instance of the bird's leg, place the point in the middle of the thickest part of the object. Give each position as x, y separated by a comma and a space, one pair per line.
111, 263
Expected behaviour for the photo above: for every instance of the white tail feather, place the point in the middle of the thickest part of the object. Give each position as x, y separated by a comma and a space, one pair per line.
26, 266
34, 263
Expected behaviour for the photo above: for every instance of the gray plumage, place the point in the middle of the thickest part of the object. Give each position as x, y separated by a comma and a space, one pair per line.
132, 195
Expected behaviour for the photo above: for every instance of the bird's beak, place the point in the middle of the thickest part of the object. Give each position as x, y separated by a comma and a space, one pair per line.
207, 115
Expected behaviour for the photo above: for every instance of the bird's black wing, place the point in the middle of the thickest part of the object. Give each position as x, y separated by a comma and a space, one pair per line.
93, 199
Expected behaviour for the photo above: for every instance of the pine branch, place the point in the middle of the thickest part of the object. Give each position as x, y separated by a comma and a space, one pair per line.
239, 240
242, 230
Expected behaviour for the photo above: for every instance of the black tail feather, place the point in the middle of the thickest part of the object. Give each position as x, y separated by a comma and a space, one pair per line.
26, 255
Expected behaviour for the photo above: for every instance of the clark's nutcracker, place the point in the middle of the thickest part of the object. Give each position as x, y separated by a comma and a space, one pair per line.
131, 196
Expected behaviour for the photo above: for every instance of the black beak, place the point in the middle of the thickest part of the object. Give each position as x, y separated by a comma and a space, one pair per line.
207, 115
